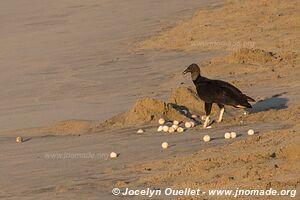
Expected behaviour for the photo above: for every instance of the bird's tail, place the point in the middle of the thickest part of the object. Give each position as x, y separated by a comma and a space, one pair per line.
243, 102
249, 105
249, 99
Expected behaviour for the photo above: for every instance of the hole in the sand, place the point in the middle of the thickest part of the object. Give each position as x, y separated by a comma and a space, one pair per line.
274, 102
182, 109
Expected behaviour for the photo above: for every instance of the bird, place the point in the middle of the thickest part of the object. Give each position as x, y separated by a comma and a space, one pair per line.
218, 92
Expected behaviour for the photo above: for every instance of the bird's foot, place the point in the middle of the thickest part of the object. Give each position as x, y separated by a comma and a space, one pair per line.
206, 127
207, 122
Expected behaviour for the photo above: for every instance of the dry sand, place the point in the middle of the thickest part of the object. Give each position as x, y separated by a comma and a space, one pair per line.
271, 25
268, 72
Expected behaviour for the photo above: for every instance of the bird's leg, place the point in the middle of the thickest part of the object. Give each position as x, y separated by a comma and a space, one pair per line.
222, 109
206, 121
207, 111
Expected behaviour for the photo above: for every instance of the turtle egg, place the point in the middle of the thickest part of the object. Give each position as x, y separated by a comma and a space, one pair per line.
113, 155
233, 134
161, 121
203, 117
227, 135
193, 124
164, 145
175, 126
180, 129
206, 138
194, 116
165, 128
250, 132
19, 139
187, 125
160, 128
140, 131
171, 130
175, 122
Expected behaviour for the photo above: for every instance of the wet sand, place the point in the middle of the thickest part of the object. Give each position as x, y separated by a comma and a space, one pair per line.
72, 60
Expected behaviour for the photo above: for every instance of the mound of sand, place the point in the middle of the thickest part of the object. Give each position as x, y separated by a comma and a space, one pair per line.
251, 56
187, 98
146, 110
72, 127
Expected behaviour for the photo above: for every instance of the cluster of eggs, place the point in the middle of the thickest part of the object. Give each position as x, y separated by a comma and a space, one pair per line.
174, 127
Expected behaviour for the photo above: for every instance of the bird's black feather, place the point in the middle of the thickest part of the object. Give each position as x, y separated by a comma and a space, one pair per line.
217, 91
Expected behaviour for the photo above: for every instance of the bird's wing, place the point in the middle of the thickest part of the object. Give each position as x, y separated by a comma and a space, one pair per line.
212, 91
227, 86
232, 88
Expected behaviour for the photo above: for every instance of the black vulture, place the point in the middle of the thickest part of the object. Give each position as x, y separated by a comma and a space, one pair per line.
217, 91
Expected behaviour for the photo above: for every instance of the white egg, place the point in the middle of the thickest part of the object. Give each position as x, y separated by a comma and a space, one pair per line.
208, 127
227, 135
19, 139
203, 117
180, 129
161, 121
171, 130
250, 132
140, 131
187, 125
113, 155
233, 134
165, 128
206, 138
194, 116
193, 124
164, 145
175, 122
160, 128
175, 126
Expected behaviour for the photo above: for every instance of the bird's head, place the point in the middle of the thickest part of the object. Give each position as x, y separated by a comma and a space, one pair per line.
194, 70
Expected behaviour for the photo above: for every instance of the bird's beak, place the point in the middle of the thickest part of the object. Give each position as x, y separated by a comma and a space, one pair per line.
185, 72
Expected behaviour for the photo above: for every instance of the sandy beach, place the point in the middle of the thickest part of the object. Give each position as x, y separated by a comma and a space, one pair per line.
79, 78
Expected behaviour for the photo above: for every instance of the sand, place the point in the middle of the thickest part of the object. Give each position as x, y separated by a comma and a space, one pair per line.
239, 24
271, 160
71, 61
82, 115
